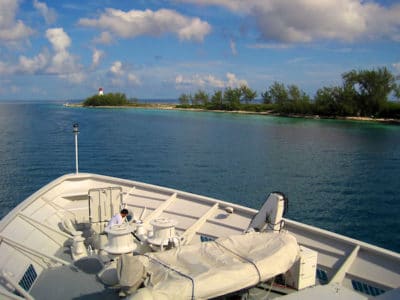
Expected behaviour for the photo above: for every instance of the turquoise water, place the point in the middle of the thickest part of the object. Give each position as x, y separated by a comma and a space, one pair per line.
339, 175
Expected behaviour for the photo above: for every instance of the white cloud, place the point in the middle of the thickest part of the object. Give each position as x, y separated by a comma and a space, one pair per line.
269, 46
116, 68
96, 57
48, 14
132, 78
179, 79
215, 82
135, 22
62, 62
396, 66
199, 81
104, 38
234, 82
58, 38
12, 30
232, 44
74, 77
58, 62
121, 75
234, 5
33, 65
308, 20
208, 81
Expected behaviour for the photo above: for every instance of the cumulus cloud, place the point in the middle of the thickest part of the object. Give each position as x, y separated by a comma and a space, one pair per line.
234, 82
57, 62
156, 23
12, 30
116, 68
96, 57
201, 81
308, 20
234, 5
33, 65
123, 75
48, 14
62, 61
58, 38
104, 38
208, 81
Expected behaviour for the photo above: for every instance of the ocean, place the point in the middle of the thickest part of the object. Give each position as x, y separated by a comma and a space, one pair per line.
342, 176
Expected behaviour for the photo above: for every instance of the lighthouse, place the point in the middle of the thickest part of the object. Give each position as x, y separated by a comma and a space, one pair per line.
101, 93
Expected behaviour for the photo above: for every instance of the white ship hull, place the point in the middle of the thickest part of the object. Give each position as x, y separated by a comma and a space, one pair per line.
34, 241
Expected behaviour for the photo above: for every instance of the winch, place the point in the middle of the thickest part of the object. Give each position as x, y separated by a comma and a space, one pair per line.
120, 239
163, 233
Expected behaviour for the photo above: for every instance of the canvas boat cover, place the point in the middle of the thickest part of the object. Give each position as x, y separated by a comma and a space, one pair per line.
215, 268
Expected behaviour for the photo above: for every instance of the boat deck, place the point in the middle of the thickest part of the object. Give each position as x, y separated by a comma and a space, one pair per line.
78, 281
33, 242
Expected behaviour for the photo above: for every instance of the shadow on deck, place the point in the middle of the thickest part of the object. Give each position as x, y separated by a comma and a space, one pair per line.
67, 282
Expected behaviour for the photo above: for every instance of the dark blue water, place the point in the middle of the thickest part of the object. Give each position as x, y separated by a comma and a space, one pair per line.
339, 175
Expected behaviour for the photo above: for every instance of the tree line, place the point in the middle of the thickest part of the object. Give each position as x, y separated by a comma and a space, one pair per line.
364, 93
110, 99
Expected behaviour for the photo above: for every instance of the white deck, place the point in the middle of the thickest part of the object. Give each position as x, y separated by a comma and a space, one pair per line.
31, 235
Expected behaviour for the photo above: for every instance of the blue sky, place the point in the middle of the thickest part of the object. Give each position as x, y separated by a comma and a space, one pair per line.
150, 49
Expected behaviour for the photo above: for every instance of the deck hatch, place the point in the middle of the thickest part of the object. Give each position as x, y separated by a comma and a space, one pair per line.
322, 276
29, 278
204, 238
366, 288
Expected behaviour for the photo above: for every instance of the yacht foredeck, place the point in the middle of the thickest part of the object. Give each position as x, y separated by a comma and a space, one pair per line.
35, 251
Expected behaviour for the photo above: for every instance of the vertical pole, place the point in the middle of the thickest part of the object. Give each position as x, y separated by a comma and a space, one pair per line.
76, 154
76, 131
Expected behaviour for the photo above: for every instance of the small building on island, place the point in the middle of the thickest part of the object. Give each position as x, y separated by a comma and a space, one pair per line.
101, 93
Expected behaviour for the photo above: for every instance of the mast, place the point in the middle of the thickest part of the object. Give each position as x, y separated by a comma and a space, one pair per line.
76, 131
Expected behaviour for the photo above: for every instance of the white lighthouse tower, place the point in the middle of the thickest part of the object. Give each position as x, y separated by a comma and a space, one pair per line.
101, 93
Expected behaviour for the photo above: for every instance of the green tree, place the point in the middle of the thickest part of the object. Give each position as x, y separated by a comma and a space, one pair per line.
201, 97
299, 99
326, 101
232, 98
294, 93
247, 94
372, 88
217, 100
184, 99
278, 93
347, 99
109, 99
266, 97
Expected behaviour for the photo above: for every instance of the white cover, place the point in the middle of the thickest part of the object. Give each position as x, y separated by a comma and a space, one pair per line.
270, 214
216, 268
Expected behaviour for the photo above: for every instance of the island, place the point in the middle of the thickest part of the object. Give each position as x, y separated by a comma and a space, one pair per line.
363, 95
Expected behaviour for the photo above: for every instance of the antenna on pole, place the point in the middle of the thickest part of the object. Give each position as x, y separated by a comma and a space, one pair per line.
76, 131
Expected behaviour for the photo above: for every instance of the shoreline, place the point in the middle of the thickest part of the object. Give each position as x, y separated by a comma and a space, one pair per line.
164, 106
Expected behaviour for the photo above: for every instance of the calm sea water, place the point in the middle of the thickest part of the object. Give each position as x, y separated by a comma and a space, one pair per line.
339, 175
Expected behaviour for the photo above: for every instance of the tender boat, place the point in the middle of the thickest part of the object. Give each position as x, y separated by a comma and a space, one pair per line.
57, 244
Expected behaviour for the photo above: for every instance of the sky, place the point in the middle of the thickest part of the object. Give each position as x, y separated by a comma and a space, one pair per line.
151, 49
